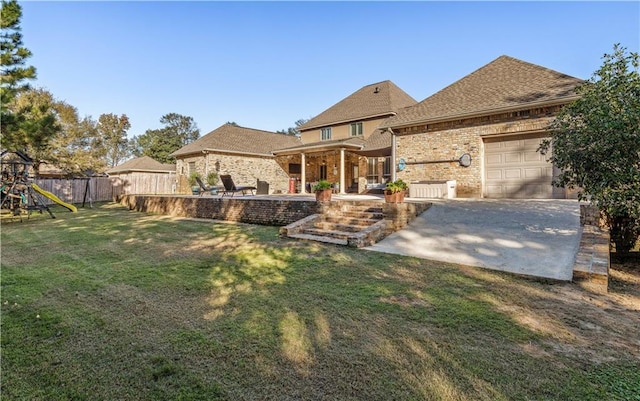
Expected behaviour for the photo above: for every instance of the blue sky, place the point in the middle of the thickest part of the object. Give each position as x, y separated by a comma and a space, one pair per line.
267, 64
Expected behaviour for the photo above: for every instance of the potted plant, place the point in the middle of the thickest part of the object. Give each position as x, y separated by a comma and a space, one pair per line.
212, 182
195, 188
394, 191
323, 191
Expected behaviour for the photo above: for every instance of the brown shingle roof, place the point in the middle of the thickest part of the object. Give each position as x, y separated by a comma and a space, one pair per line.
232, 138
354, 143
504, 83
380, 99
144, 163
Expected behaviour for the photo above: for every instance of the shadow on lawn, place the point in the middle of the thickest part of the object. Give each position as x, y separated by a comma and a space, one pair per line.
247, 315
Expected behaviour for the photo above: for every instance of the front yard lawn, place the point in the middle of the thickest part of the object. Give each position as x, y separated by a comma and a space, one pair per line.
110, 304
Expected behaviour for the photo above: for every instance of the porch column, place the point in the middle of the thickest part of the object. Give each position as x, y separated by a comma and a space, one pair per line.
393, 156
303, 172
342, 171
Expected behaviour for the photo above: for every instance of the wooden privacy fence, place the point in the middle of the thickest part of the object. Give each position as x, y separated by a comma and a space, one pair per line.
74, 190
101, 189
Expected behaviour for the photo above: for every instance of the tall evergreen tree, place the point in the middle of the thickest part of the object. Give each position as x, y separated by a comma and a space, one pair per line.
14, 73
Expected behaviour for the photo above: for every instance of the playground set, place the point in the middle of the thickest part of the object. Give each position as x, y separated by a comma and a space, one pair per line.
19, 194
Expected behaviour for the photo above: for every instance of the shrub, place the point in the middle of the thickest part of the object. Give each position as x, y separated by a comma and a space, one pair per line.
322, 185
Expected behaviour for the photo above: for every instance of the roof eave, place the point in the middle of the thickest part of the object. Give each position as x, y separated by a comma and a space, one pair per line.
388, 114
316, 147
139, 170
484, 112
212, 150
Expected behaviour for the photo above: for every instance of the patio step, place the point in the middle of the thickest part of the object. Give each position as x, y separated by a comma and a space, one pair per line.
353, 221
344, 226
319, 238
364, 215
328, 233
326, 225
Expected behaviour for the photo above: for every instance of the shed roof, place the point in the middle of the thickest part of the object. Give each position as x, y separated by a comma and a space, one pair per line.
233, 138
375, 100
144, 163
503, 84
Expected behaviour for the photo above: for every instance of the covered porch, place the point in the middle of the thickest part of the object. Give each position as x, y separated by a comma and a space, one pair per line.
352, 166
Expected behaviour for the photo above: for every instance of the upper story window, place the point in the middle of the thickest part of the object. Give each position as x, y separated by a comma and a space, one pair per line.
325, 134
355, 129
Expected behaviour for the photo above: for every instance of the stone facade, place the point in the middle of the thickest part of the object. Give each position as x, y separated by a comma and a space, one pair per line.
244, 169
425, 148
593, 259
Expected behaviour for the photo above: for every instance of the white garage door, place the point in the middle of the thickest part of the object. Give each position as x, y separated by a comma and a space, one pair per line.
514, 169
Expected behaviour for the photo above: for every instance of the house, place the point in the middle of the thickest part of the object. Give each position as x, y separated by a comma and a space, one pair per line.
344, 144
144, 175
496, 117
244, 153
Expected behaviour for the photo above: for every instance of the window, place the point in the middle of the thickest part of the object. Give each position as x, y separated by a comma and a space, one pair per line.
192, 167
372, 170
325, 134
323, 172
355, 129
386, 167
295, 168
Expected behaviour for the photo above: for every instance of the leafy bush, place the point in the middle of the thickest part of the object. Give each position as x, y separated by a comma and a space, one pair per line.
396, 186
212, 178
596, 144
322, 185
192, 178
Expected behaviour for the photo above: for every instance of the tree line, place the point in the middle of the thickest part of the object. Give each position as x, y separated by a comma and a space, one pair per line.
51, 131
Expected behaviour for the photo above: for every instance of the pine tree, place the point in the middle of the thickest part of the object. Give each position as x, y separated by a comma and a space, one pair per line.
15, 72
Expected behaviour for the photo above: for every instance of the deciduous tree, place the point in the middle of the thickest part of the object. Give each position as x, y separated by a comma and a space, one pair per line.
596, 143
158, 144
112, 138
294, 131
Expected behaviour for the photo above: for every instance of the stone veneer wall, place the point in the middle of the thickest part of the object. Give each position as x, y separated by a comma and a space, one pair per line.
270, 212
245, 170
591, 267
450, 140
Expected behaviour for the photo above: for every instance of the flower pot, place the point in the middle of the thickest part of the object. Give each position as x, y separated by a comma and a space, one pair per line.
195, 190
323, 195
214, 191
394, 197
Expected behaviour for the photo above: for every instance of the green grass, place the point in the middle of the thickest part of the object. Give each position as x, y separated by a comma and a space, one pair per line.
109, 304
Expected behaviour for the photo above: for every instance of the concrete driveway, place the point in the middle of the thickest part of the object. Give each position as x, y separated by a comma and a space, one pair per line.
531, 237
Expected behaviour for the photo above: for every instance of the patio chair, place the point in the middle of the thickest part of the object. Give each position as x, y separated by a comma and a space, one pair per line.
231, 188
203, 187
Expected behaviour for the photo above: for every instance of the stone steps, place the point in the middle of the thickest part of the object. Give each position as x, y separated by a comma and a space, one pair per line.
326, 225
342, 226
319, 238
352, 221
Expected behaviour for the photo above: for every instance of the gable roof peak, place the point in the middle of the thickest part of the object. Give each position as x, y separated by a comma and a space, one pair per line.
236, 139
503, 84
382, 98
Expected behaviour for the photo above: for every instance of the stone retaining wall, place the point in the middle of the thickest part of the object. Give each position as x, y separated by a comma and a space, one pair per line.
262, 211
591, 268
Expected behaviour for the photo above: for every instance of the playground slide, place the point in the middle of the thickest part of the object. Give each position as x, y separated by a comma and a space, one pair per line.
54, 198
